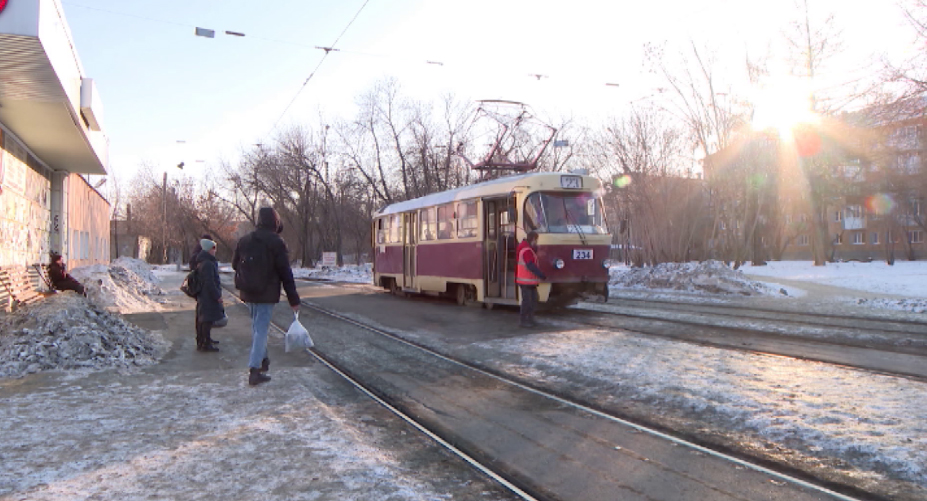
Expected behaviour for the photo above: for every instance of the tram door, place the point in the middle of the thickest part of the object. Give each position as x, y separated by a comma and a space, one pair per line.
493, 268
408, 249
499, 242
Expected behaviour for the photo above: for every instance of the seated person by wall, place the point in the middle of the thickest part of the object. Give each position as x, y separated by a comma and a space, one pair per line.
59, 276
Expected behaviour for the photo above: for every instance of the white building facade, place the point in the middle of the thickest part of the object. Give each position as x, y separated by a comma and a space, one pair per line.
51, 136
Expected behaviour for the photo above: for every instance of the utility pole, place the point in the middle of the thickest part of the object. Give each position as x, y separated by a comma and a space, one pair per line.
164, 219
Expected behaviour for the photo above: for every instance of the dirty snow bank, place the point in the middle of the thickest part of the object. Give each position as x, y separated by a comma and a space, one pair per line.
362, 274
126, 286
68, 331
710, 276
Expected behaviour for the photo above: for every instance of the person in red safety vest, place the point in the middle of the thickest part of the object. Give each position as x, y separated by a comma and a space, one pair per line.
528, 276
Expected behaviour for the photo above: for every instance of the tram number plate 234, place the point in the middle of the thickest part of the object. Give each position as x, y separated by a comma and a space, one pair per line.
582, 253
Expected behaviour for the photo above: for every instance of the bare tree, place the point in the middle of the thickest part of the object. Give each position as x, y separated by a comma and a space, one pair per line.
911, 73
641, 157
812, 44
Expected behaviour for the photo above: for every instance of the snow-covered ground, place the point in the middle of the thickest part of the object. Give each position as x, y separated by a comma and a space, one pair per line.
872, 424
904, 278
351, 273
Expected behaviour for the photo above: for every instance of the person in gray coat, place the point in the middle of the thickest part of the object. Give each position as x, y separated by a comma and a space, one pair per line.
209, 306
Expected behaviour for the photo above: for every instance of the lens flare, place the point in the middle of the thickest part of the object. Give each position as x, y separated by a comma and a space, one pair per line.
807, 141
880, 204
623, 181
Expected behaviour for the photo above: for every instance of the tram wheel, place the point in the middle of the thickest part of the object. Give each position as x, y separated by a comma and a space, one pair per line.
461, 294
395, 290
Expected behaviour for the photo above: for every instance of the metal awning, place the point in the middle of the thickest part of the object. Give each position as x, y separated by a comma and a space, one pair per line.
35, 107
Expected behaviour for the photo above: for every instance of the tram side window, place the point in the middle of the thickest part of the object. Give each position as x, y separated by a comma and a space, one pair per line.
382, 230
468, 223
428, 224
395, 226
445, 222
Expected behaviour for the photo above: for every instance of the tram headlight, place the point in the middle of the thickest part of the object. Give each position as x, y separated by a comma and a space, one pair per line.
606, 263
559, 264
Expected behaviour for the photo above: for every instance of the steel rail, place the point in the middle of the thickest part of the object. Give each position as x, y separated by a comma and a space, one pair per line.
405, 417
684, 306
696, 339
564, 401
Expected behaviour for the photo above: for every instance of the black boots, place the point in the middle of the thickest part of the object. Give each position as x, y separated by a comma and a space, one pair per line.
256, 377
265, 365
207, 347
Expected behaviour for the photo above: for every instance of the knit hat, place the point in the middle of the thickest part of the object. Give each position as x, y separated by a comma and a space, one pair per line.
207, 244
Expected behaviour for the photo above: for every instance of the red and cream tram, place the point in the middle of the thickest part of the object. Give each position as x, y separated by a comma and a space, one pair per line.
462, 242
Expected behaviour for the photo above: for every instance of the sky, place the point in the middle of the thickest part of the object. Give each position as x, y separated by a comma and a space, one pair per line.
171, 97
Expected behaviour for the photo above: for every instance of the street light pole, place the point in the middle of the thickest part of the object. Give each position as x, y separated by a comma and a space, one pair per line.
164, 219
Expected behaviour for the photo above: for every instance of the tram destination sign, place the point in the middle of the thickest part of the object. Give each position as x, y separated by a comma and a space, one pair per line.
574, 182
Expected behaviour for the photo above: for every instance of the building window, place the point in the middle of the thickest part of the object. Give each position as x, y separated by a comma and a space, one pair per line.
803, 240
838, 239
85, 245
859, 238
788, 219
915, 236
854, 211
838, 216
915, 207
874, 238
803, 218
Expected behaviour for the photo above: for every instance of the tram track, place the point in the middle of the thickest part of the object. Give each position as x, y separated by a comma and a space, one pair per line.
877, 352
380, 400
870, 322
517, 478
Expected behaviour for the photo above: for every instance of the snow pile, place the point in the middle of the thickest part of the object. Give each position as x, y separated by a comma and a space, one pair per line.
67, 331
125, 286
709, 276
362, 274
139, 267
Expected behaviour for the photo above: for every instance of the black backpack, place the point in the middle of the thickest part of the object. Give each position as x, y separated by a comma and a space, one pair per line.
255, 265
191, 285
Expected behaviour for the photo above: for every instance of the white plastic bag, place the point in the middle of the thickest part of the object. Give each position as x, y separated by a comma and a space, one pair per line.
297, 337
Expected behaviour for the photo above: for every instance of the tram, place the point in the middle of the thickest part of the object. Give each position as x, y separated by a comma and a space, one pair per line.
461, 243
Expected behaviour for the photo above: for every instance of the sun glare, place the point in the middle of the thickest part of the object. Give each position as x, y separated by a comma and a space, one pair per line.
781, 105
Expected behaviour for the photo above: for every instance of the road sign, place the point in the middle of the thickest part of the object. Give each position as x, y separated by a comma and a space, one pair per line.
329, 259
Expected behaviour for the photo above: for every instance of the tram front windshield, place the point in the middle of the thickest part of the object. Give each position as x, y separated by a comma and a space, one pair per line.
564, 212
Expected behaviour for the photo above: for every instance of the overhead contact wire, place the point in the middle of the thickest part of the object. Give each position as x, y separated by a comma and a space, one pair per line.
328, 50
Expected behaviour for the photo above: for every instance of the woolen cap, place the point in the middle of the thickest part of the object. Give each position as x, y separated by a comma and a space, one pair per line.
207, 244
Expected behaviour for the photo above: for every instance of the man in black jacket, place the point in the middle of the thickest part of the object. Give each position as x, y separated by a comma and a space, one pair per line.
209, 307
262, 264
